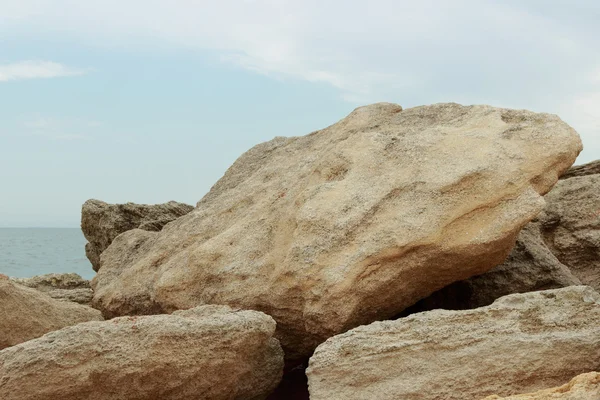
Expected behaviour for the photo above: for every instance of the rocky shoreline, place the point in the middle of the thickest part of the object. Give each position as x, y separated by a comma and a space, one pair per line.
438, 252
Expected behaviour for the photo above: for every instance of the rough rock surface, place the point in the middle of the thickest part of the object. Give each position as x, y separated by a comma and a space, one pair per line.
570, 226
582, 387
582, 170
66, 287
349, 224
519, 344
27, 313
531, 266
206, 353
102, 222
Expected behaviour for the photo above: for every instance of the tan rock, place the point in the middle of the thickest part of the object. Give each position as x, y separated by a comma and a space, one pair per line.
349, 224
582, 170
519, 344
207, 353
102, 222
570, 225
65, 287
531, 266
582, 387
26, 314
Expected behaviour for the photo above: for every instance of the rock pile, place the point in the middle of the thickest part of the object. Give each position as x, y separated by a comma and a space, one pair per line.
326, 242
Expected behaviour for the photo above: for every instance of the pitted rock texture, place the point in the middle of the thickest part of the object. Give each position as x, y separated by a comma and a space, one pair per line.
206, 353
27, 313
350, 224
102, 222
519, 344
582, 387
531, 266
66, 287
582, 170
570, 226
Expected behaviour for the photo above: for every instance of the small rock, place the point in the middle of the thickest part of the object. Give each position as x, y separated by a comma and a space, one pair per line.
582, 387
26, 313
65, 287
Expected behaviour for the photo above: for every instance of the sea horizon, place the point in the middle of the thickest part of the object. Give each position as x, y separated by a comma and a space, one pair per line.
30, 251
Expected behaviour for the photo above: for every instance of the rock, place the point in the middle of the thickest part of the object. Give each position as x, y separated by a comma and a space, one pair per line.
206, 353
582, 387
101, 222
570, 225
531, 266
583, 170
26, 314
561, 248
65, 287
350, 224
521, 343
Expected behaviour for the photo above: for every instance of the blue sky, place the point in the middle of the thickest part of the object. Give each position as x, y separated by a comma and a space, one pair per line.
150, 101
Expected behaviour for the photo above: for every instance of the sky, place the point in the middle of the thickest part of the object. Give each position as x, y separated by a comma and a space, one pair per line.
150, 101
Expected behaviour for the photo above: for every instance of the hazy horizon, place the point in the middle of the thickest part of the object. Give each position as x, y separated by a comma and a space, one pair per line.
152, 101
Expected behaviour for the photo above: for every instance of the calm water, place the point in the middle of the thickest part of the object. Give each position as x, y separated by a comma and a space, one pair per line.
34, 251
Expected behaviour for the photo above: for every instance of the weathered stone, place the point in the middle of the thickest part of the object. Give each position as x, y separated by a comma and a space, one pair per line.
519, 344
101, 222
350, 224
561, 248
531, 266
207, 353
582, 170
570, 225
27, 313
65, 287
582, 387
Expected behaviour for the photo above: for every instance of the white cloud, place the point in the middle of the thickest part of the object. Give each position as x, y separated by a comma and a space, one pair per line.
540, 54
35, 70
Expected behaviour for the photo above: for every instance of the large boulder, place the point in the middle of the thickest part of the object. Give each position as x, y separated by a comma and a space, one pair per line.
582, 387
570, 226
101, 222
65, 287
349, 224
207, 353
27, 313
521, 343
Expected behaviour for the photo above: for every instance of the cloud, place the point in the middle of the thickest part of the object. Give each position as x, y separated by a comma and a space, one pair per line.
540, 54
35, 70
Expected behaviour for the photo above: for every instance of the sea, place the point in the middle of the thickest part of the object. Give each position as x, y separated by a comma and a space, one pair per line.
26, 252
